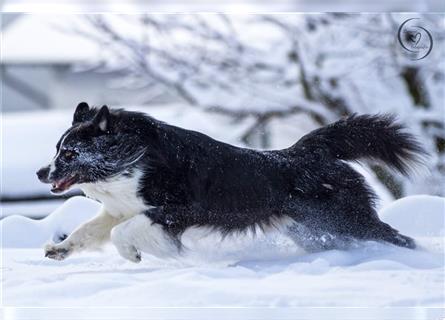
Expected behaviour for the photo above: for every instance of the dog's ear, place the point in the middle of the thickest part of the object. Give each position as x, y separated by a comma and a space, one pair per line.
102, 119
81, 112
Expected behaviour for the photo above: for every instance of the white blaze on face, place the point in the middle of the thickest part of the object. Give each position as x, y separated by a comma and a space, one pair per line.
52, 165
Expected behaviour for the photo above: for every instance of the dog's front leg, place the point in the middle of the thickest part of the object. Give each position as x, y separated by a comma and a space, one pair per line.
89, 235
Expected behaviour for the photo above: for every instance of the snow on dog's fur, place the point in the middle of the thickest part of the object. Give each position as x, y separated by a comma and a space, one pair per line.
156, 181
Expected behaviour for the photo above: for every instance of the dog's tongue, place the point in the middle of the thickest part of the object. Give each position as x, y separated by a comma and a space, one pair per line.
62, 184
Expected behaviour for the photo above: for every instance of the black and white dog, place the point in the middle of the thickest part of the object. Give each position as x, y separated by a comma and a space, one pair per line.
156, 180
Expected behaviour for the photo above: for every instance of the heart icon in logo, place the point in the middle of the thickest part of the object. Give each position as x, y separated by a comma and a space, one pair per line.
417, 38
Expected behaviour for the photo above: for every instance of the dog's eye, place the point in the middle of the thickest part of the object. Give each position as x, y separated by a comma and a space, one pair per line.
69, 155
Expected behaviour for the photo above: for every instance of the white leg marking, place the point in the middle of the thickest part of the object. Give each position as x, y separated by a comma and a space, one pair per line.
89, 235
140, 234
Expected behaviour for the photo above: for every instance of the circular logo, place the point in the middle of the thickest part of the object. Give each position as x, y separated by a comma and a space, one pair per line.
415, 39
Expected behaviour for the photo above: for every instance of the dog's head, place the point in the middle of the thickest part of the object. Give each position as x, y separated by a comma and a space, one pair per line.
92, 150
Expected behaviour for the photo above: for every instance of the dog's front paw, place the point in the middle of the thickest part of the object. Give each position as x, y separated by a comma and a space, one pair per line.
56, 252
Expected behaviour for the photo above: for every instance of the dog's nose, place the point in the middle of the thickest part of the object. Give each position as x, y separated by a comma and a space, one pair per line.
42, 174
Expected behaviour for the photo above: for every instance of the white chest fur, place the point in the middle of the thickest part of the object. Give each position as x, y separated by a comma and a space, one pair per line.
118, 195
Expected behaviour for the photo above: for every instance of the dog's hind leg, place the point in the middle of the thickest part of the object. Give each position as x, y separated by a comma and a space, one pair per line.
142, 234
315, 240
331, 227
380, 231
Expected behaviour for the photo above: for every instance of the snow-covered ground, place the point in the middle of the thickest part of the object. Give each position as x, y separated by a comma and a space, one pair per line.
238, 272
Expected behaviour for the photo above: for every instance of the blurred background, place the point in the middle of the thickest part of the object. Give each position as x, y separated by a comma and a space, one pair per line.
255, 80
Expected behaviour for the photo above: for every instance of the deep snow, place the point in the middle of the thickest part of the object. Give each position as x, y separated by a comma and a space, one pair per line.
267, 271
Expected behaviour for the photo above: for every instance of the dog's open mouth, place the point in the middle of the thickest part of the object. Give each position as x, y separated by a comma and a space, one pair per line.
63, 184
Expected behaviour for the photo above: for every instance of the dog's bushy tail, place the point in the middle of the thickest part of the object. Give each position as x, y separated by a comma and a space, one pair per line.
378, 137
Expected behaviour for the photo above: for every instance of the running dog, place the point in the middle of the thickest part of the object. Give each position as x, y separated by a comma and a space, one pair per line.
156, 180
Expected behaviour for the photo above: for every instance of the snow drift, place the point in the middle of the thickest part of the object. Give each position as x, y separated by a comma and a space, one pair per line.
22, 232
267, 271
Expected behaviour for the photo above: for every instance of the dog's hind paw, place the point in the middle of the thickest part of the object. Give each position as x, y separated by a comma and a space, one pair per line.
55, 252
130, 253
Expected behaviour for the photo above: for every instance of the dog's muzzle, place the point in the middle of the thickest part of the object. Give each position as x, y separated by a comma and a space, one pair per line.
43, 174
